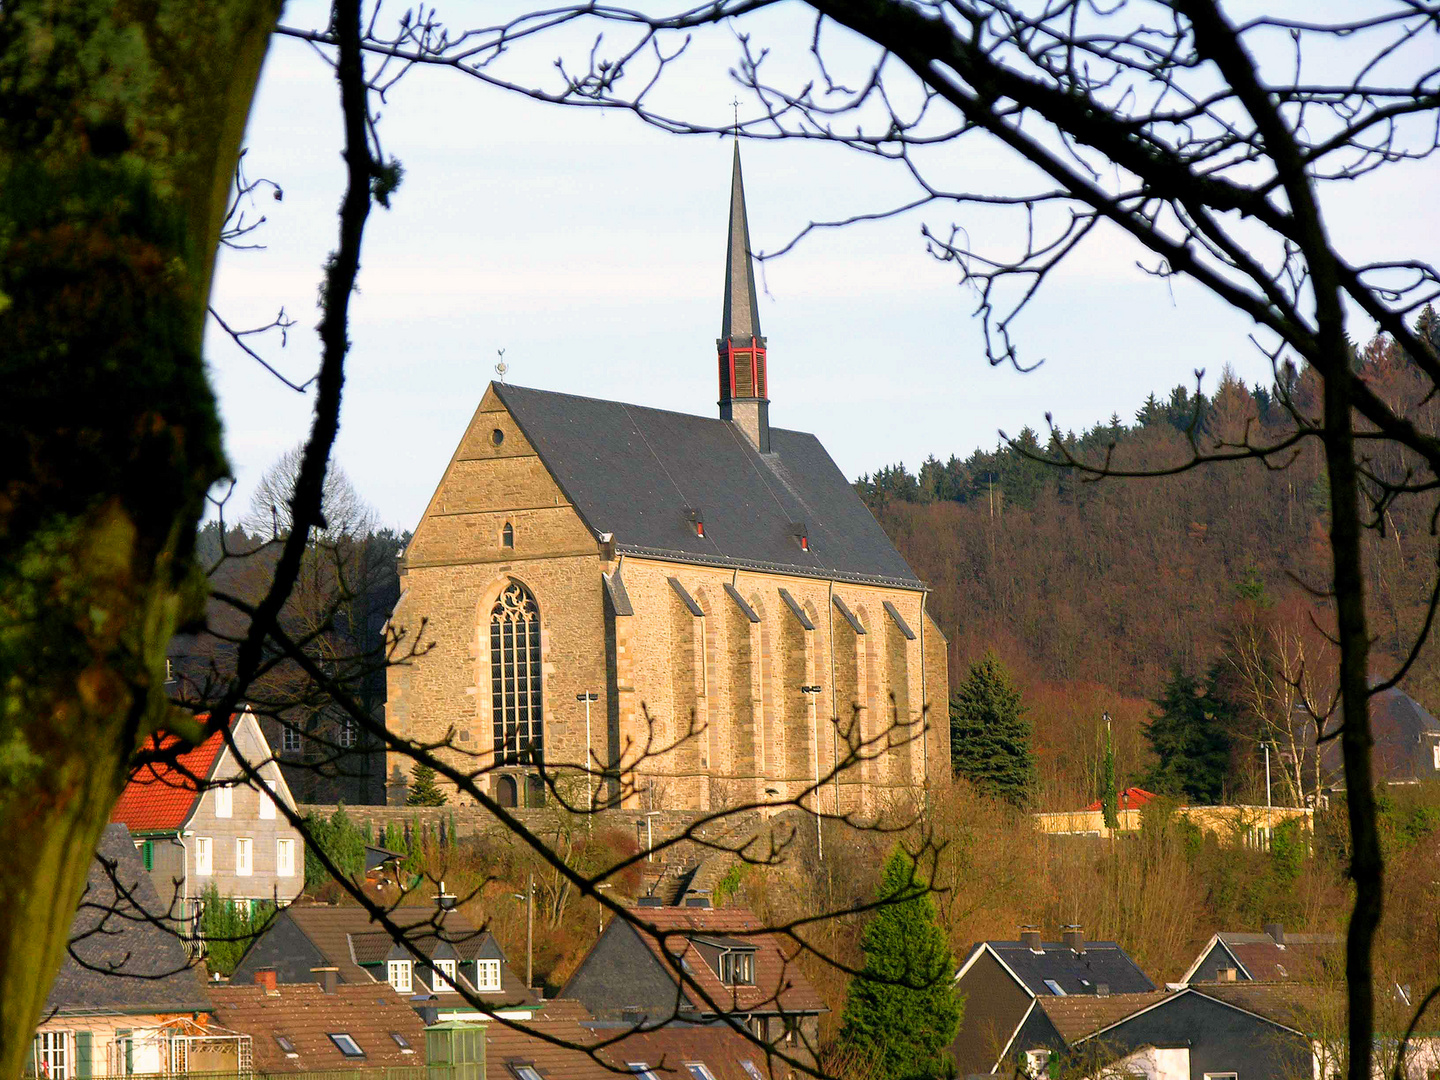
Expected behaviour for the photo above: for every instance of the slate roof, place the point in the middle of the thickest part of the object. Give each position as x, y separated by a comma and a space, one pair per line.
779, 984
347, 938
1101, 963
1084, 1014
636, 472
143, 968
160, 796
306, 1015
1404, 731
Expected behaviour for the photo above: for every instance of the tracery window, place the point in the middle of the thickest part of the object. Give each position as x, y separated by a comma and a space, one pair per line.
515, 676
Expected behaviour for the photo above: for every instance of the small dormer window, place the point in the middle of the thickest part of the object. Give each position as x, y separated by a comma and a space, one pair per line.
507, 536
801, 532
697, 521
737, 967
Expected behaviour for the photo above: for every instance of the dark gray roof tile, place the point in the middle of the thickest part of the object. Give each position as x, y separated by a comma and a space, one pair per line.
635, 471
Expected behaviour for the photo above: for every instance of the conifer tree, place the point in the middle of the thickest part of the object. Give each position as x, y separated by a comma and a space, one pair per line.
1189, 738
902, 1010
1109, 800
989, 735
423, 789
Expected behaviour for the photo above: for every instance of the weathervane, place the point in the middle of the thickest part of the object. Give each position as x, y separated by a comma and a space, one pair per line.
501, 368
736, 103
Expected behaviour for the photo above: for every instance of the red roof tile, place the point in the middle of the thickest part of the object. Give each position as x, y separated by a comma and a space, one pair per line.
779, 985
305, 1016
1132, 798
161, 796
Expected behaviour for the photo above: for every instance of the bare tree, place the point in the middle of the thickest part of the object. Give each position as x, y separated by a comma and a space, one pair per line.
344, 513
1165, 124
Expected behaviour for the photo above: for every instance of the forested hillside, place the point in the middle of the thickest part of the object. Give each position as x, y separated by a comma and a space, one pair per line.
1094, 591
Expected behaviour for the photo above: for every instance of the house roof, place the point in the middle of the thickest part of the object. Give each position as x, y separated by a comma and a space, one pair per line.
1303, 1008
1132, 798
1261, 958
306, 1015
724, 1052
1085, 1014
161, 795
507, 1046
1101, 963
347, 938
1404, 731
129, 963
779, 984
636, 472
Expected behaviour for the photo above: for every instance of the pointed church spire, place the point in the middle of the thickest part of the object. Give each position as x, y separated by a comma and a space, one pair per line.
743, 378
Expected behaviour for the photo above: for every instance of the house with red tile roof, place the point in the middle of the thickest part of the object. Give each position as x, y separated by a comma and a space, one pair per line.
311, 1028
700, 964
1276, 956
199, 819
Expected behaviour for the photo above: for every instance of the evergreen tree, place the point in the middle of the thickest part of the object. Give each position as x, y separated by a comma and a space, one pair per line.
989, 735
1189, 737
902, 1010
423, 789
1109, 798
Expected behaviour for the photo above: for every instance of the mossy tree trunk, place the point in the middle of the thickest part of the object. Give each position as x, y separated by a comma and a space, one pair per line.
120, 124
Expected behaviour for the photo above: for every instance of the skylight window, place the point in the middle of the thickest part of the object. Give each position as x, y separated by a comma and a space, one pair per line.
283, 1041
642, 1070
347, 1046
1054, 988
402, 1042
749, 1067
525, 1072
699, 1071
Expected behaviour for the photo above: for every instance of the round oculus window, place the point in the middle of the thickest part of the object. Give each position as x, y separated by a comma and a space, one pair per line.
497, 436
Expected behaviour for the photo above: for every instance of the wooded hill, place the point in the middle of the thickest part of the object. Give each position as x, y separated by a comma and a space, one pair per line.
1094, 591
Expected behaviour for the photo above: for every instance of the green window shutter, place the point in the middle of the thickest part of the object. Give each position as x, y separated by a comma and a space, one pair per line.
147, 854
84, 1047
123, 1035
32, 1057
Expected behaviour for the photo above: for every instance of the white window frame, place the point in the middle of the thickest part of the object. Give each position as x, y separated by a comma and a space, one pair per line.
267, 799
699, 1070
443, 976
1222, 1076
289, 740
52, 1054
1055, 988
225, 801
400, 974
346, 737
284, 857
244, 856
1435, 750
1037, 1063
642, 1070
204, 856
487, 976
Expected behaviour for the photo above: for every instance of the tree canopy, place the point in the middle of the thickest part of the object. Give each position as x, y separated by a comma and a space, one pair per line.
989, 736
902, 1010
1189, 736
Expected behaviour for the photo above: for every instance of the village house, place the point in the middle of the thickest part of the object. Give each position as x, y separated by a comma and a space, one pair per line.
1274, 956
696, 964
310, 943
200, 821
1001, 981
679, 611
128, 998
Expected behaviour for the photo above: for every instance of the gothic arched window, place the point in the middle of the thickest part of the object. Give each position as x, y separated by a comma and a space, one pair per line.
507, 536
515, 676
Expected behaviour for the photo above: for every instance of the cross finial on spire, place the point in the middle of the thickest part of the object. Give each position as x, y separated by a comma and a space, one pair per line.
736, 103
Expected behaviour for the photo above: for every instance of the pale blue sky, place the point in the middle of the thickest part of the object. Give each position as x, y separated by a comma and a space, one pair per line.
591, 249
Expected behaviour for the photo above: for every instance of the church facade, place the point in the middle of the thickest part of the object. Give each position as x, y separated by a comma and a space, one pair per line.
671, 610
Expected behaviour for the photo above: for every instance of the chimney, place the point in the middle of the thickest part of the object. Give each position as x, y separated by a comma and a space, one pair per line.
1030, 938
1226, 974
1074, 938
1276, 931
697, 901
265, 977
327, 977
650, 901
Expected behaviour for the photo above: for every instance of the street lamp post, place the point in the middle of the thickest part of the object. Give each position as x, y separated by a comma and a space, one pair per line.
599, 918
812, 692
587, 697
529, 899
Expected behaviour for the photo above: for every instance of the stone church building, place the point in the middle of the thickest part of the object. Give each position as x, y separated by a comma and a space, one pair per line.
716, 584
